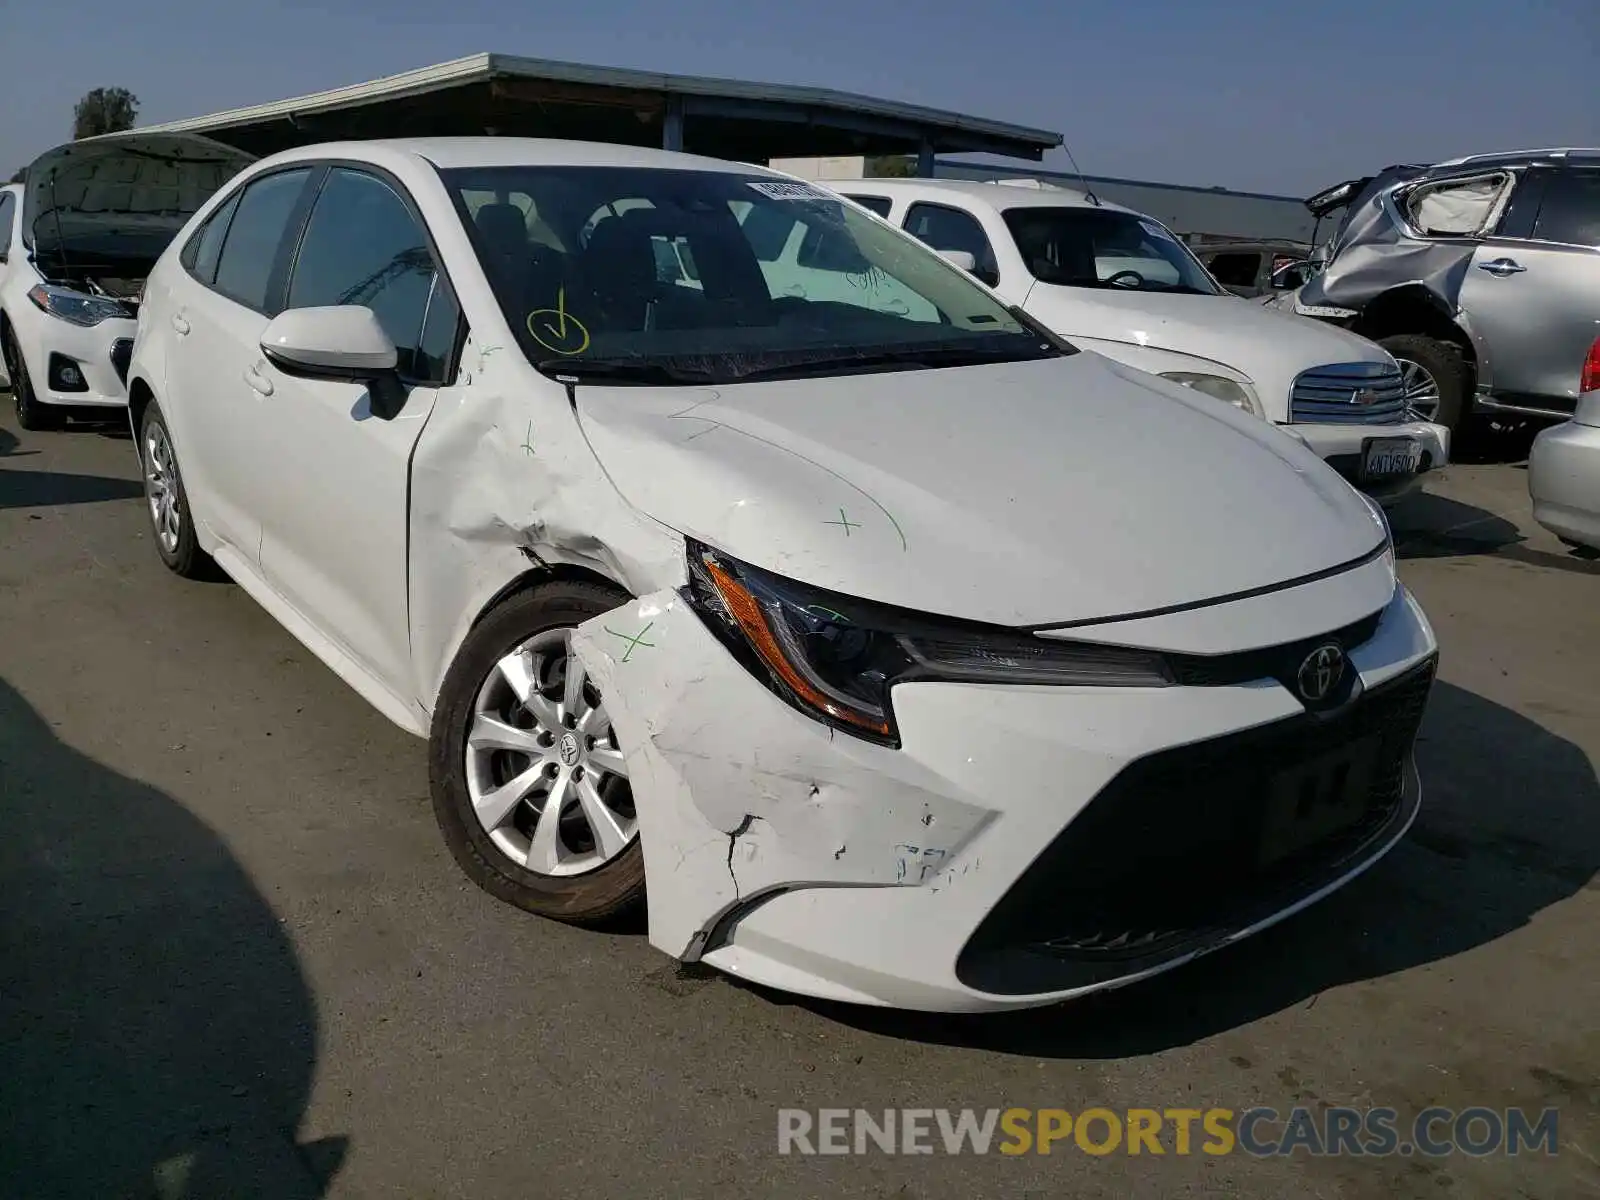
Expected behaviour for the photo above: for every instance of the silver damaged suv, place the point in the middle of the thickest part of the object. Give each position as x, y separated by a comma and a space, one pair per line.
1481, 276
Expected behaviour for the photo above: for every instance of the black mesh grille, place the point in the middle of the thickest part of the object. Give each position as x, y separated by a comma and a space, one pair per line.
121, 355
1272, 662
1176, 852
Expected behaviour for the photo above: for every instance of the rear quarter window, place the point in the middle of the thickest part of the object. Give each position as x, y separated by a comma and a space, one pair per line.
204, 247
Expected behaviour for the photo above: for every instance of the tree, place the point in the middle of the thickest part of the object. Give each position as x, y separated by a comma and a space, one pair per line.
892, 166
104, 110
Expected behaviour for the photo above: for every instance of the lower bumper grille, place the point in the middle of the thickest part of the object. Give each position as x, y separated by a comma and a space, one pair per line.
1188, 846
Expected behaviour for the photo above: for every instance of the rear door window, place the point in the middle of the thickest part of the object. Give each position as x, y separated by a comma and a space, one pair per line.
1235, 268
951, 229
878, 204
255, 237
1570, 212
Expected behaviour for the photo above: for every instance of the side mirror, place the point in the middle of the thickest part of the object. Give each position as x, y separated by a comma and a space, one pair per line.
343, 343
964, 259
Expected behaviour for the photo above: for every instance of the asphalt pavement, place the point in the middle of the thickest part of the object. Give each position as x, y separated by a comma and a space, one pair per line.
236, 959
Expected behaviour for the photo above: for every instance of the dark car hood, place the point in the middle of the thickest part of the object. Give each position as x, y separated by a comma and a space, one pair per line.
144, 183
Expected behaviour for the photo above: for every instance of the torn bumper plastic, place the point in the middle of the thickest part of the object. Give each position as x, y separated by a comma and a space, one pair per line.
812, 861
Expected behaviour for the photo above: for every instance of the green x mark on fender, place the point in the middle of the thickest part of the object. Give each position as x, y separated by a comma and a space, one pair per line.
634, 641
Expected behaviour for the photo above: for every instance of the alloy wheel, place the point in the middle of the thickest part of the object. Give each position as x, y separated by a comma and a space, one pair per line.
1421, 388
546, 778
161, 487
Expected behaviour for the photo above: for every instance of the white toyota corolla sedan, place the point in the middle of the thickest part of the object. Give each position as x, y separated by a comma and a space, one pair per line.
909, 658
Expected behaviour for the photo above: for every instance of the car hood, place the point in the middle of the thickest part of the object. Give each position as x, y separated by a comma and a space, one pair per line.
1267, 345
1027, 493
137, 180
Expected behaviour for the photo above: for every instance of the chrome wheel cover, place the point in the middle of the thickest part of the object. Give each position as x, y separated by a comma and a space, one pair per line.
545, 776
161, 487
1421, 388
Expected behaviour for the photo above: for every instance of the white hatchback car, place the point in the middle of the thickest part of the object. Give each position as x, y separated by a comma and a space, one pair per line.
914, 660
1118, 282
76, 242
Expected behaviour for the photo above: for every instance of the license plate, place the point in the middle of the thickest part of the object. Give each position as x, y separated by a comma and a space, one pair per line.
1316, 798
1383, 457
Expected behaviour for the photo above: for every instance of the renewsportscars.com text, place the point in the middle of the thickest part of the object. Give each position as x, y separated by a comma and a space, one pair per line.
1261, 1132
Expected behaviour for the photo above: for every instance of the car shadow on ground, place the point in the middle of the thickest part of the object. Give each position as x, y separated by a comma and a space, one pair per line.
10, 447
1485, 444
48, 489
157, 1034
1480, 863
1430, 526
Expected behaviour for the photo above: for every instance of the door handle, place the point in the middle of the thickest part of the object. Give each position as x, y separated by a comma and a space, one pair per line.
257, 380
1501, 267
179, 323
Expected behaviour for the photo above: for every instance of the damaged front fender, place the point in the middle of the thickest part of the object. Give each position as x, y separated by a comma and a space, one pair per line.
503, 481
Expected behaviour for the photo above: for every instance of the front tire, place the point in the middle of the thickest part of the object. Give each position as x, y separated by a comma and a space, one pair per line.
529, 786
31, 414
1435, 375
167, 503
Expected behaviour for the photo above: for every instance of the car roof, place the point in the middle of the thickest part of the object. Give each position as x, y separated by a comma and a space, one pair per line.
998, 195
1512, 157
449, 153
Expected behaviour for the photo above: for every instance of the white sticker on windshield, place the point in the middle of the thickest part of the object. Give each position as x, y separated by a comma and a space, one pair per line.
781, 190
1155, 230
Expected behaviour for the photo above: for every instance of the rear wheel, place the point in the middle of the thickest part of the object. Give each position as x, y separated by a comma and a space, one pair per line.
167, 502
31, 414
529, 785
1434, 374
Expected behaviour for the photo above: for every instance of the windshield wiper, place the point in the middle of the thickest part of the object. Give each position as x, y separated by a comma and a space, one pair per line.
621, 370
910, 358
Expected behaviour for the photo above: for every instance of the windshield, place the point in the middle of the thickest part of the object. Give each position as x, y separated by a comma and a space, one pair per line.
699, 276
1104, 248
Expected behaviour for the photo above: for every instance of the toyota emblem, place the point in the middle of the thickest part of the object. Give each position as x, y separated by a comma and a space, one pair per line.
1320, 673
567, 750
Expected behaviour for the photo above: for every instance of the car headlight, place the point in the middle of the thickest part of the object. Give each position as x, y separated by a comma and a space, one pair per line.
78, 308
836, 658
1240, 395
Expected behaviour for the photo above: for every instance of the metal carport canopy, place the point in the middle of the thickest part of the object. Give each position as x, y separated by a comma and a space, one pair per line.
502, 94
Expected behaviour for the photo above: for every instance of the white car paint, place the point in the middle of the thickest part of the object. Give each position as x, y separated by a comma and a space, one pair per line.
113, 193
1564, 473
37, 334
1066, 491
1222, 335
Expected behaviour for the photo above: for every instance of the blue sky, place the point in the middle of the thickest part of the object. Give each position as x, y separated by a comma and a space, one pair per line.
1281, 96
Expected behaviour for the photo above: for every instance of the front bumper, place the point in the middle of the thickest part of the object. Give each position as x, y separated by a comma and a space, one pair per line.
100, 353
1564, 481
1340, 446
1024, 844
